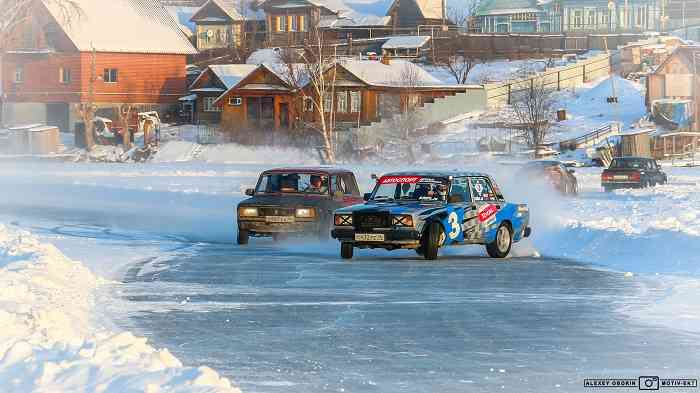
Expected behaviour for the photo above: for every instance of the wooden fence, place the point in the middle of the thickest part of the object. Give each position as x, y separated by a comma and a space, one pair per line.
558, 78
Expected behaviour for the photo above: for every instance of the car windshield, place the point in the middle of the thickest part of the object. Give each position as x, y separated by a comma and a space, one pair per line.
410, 188
292, 183
628, 164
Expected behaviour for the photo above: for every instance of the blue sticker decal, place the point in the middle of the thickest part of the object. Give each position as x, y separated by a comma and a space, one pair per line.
453, 225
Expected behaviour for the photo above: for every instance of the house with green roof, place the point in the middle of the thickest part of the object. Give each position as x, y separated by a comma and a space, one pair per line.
511, 16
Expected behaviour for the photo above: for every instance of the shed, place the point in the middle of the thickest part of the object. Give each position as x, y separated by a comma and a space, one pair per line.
636, 144
405, 46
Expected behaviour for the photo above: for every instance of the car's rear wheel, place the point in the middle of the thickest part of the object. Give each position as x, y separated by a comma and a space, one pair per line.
500, 248
431, 241
346, 250
243, 237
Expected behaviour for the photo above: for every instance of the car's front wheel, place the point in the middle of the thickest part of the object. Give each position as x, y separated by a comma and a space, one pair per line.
346, 250
500, 248
431, 241
243, 237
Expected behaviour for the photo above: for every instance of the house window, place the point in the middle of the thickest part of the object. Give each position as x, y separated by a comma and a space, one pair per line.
590, 21
281, 23
302, 23
342, 98
208, 105
111, 75
327, 102
578, 19
354, 101
235, 101
294, 26
308, 104
19, 75
64, 75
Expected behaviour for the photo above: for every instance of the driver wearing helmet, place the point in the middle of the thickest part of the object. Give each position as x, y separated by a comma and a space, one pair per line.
317, 184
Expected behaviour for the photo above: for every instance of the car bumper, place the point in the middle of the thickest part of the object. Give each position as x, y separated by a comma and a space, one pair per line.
269, 228
408, 238
619, 185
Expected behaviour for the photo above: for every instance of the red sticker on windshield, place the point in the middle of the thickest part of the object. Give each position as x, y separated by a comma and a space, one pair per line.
487, 212
399, 179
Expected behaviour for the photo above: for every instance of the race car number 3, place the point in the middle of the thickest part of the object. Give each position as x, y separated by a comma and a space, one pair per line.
453, 220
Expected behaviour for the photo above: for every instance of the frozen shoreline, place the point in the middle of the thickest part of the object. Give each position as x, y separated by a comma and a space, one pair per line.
52, 337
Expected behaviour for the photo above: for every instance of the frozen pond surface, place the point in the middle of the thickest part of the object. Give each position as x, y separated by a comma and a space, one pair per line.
274, 318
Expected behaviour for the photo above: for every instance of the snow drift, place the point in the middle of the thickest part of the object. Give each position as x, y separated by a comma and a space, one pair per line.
52, 341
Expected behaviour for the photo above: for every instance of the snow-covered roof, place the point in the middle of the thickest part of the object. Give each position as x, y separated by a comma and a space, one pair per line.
335, 6
410, 41
290, 73
396, 73
189, 97
182, 14
264, 55
237, 10
125, 26
231, 74
507, 7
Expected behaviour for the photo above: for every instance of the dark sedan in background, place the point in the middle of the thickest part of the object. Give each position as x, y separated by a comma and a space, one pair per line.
632, 172
289, 201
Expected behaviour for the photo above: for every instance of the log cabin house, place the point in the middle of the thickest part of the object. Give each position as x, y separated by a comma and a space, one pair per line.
121, 51
412, 14
675, 83
221, 24
208, 87
364, 92
289, 21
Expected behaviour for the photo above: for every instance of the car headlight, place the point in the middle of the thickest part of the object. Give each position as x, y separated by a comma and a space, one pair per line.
248, 211
403, 220
305, 212
343, 220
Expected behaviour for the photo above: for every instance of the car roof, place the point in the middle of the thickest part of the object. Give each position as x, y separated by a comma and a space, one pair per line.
309, 169
454, 173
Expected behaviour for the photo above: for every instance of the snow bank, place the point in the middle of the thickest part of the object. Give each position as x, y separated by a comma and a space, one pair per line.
52, 341
230, 153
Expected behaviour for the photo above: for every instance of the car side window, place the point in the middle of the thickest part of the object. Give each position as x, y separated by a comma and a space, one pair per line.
482, 190
460, 188
350, 185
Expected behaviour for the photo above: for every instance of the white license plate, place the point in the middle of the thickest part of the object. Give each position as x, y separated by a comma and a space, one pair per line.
622, 177
279, 219
369, 237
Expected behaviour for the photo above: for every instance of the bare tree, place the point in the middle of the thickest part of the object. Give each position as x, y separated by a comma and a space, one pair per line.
406, 121
533, 108
88, 109
457, 62
463, 15
124, 116
320, 89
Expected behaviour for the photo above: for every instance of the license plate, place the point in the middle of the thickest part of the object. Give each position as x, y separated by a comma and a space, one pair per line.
369, 237
623, 177
279, 219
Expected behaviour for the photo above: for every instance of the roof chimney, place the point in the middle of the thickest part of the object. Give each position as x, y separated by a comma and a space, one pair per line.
386, 60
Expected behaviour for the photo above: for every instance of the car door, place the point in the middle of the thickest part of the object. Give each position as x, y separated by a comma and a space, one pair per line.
460, 197
486, 202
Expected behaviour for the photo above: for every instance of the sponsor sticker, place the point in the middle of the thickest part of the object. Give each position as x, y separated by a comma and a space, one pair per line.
399, 179
487, 212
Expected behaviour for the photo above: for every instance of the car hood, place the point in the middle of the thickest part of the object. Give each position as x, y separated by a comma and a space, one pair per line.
412, 207
284, 200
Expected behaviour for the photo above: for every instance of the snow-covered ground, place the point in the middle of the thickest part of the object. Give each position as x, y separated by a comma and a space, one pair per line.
114, 216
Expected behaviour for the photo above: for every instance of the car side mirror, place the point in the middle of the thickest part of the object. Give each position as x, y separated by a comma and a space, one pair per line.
374, 176
367, 196
249, 192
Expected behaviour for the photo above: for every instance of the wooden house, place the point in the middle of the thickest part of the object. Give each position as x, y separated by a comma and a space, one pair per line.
290, 21
676, 80
225, 23
411, 14
363, 92
511, 16
117, 52
214, 81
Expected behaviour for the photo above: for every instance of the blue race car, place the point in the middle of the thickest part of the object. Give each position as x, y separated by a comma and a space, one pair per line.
428, 210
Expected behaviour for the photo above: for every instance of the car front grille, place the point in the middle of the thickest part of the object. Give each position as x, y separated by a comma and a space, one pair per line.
275, 211
371, 220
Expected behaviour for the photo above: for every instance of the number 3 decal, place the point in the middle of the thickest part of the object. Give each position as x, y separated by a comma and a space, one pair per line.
453, 220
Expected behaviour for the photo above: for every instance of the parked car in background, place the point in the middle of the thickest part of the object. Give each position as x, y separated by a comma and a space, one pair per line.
425, 211
552, 172
632, 172
295, 201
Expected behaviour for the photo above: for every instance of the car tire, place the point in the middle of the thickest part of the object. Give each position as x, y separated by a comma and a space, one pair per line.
500, 248
242, 237
346, 250
431, 241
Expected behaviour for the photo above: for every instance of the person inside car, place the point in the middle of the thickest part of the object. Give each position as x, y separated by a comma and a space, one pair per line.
317, 184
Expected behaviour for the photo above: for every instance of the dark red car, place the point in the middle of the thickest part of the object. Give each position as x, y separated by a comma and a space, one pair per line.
296, 201
552, 172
